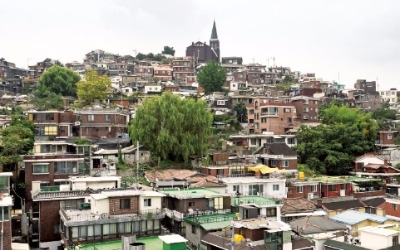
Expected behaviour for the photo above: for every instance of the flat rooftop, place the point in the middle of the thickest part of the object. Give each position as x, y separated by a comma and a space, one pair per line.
153, 243
182, 193
257, 200
212, 222
249, 179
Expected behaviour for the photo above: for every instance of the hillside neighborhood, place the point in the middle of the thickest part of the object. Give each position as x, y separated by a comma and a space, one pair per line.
195, 151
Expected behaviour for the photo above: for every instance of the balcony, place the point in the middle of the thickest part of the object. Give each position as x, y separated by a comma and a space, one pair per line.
74, 216
274, 114
178, 216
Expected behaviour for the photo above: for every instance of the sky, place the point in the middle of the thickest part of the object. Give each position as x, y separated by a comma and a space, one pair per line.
340, 40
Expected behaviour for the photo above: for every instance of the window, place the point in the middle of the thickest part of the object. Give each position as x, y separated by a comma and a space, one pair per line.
256, 189
147, 203
287, 110
193, 229
285, 163
275, 187
220, 102
236, 189
66, 167
389, 136
299, 189
6, 212
90, 118
314, 188
273, 162
264, 120
107, 117
305, 110
331, 188
40, 168
395, 240
291, 140
271, 212
46, 130
125, 203
394, 206
191, 203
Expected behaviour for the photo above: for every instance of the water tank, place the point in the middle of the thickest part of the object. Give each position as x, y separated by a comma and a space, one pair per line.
301, 175
137, 246
238, 238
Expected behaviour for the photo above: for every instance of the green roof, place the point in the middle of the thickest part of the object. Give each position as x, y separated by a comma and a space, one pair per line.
187, 193
211, 222
258, 200
153, 243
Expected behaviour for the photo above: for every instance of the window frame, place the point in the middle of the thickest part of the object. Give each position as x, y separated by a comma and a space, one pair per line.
40, 165
125, 203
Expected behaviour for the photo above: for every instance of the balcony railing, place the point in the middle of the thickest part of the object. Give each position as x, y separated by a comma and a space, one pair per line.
86, 215
173, 214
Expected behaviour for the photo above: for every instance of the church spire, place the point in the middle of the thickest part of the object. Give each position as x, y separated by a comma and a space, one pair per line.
214, 35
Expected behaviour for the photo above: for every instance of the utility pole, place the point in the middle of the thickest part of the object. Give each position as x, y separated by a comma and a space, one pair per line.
137, 165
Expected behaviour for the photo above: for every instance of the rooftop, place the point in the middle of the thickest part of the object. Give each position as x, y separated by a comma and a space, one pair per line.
153, 243
384, 231
256, 200
191, 193
212, 222
351, 217
315, 225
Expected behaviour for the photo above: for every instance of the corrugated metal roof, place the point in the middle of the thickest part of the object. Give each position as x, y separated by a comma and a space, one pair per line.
352, 217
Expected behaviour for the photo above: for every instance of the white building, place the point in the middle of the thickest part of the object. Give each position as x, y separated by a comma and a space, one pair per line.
379, 237
251, 185
152, 89
389, 96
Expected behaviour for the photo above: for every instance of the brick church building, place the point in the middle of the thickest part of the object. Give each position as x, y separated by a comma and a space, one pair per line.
202, 52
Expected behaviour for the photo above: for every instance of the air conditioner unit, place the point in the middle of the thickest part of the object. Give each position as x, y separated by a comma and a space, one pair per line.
78, 123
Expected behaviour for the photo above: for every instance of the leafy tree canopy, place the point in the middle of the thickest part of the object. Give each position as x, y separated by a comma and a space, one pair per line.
59, 80
93, 87
47, 100
241, 112
168, 51
331, 147
384, 116
16, 139
171, 127
150, 56
212, 77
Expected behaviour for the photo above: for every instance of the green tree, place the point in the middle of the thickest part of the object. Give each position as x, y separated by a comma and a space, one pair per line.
59, 80
47, 100
168, 51
93, 87
330, 148
16, 139
384, 116
171, 127
212, 77
241, 112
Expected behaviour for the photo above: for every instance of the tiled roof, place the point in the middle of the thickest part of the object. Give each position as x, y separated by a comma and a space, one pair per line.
297, 205
343, 205
351, 217
315, 225
375, 202
280, 149
300, 243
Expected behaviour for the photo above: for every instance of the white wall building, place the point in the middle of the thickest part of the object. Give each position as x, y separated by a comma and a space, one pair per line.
379, 237
270, 188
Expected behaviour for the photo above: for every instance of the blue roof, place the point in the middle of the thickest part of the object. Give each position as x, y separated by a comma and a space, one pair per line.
351, 217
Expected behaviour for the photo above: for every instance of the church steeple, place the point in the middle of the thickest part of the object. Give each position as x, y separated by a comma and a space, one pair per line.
214, 35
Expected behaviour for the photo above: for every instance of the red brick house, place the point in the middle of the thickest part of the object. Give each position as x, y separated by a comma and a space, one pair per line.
387, 138
306, 108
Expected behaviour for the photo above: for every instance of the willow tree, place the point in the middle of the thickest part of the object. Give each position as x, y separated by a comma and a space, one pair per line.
171, 127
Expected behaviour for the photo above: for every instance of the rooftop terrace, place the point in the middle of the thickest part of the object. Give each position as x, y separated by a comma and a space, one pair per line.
190, 193
257, 200
153, 243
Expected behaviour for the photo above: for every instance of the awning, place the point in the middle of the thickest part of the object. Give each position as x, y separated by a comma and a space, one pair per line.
264, 169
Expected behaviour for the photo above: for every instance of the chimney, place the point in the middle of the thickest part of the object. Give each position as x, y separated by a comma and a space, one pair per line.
385, 163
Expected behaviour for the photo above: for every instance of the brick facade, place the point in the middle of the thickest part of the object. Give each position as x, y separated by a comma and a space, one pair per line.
7, 235
115, 205
49, 221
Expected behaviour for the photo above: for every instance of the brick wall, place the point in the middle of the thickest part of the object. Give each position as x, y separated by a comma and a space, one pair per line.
49, 221
7, 235
115, 205
200, 204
